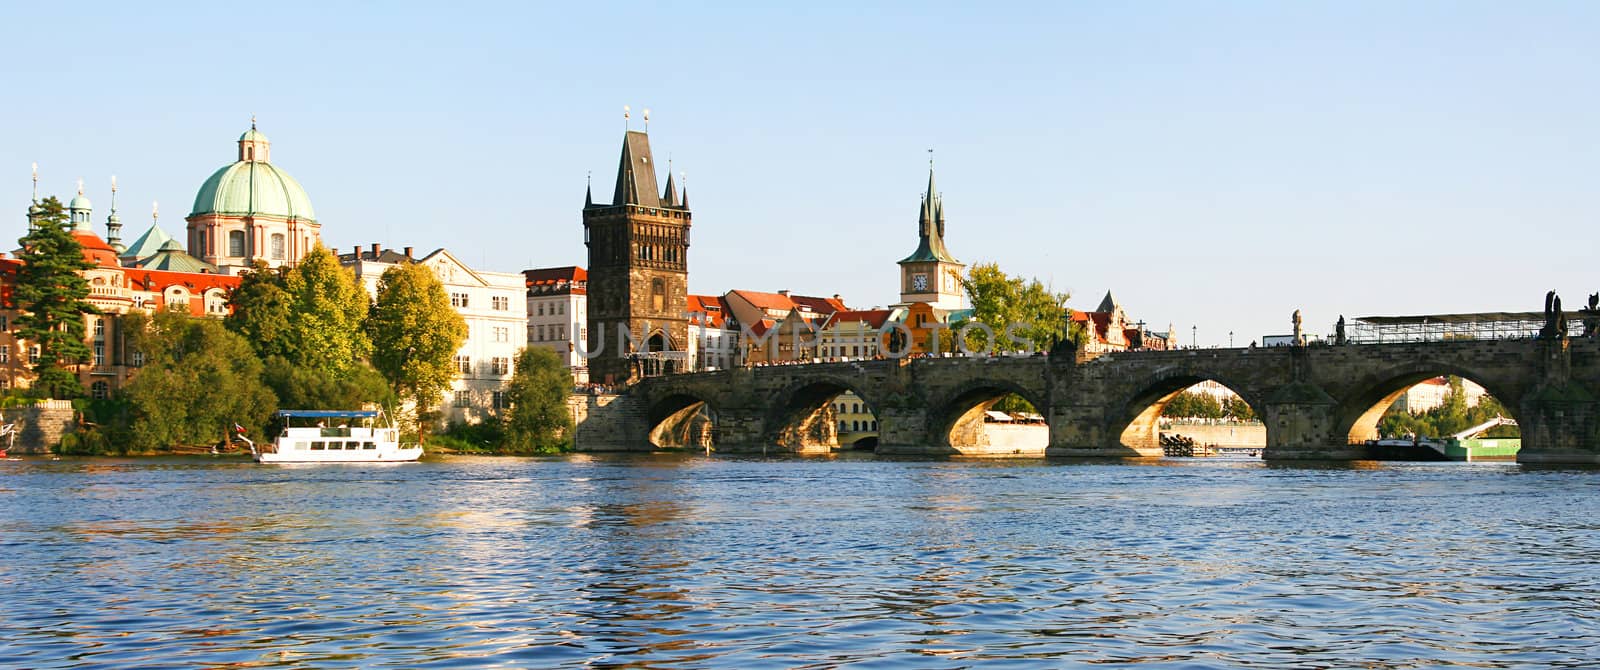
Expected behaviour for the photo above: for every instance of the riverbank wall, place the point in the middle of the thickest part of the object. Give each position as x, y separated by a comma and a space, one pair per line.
39, 426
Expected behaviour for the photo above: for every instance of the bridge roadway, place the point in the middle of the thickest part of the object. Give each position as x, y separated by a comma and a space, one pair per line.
1317, 402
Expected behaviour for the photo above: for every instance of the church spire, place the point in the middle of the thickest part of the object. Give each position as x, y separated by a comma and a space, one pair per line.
636, 173
114, 224
588, 191
669, 197
930, 225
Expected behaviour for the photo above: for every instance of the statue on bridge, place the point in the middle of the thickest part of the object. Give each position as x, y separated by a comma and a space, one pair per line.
1338, 332
1299, 335
1555, 321
1590, 316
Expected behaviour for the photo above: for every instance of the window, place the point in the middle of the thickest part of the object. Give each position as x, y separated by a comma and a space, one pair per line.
658, 294
100, 390
502, 334
541, 333
99, 329
277, 246
317, 446
464, 364
500, 303
5, 322
99, 354
368, 445
561, 308
5, 353
541, 309
33, 355
235, 243
500, 364
458, 300
138, 359
463, 398
499, 400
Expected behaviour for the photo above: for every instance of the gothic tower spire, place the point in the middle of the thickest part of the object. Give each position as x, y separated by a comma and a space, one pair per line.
114, 224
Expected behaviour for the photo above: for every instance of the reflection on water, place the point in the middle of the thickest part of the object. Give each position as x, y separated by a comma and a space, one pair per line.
683, 561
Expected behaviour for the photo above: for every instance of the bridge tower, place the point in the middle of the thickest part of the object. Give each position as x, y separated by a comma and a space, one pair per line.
931, 274
638, 270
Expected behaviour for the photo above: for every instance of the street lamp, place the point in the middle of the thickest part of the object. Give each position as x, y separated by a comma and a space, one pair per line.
1194, 337
1230, 339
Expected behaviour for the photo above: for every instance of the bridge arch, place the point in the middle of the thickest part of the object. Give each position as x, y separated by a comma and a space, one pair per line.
1371, 396
799, 416
1136, 420
957, 420
681, 419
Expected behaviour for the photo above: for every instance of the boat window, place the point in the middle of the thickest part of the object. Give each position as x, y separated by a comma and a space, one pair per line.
369, 445
316, 446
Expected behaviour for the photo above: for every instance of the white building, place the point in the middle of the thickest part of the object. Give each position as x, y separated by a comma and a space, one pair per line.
713, 334
492, 304
558, 314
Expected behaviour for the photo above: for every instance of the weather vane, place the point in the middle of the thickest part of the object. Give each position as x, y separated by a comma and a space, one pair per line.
647, 119
625, 116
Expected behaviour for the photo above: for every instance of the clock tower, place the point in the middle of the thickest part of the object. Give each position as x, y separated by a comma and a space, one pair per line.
930, 274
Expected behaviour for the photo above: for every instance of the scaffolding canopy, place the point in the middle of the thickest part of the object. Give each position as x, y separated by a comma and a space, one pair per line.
1441, 327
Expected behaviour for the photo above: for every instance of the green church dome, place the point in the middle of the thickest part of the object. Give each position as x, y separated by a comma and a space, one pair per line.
253, 188
252, 135
80, 202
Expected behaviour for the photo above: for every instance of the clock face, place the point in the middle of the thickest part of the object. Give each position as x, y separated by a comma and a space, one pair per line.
919, 282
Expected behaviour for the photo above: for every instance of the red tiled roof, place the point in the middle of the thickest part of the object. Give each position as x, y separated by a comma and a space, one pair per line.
156, 281
95, 250
767, 301
568, 278
819, 305
712, 306
874, 318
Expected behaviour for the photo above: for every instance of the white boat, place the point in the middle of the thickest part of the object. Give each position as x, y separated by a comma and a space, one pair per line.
332, 436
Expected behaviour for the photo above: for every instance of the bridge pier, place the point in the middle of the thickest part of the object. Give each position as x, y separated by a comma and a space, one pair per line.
1300, 419
1080, 431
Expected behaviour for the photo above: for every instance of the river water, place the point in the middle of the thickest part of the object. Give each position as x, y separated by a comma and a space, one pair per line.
686, 561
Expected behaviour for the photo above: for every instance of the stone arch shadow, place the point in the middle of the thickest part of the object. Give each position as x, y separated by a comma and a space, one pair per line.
1134, 422
1359, 412
681, 420
956, 423
798, 418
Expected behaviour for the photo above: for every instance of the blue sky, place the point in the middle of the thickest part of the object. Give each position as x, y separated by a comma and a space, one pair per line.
1217, 165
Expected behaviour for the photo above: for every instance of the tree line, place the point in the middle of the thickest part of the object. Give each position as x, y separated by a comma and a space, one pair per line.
306, 337
1201, 405
1450, 417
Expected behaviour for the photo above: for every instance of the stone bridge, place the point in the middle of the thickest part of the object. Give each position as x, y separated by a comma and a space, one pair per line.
1317, 402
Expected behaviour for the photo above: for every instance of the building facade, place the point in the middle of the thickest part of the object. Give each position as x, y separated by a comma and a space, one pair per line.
558, 315
713, 334
638, 271
494, 305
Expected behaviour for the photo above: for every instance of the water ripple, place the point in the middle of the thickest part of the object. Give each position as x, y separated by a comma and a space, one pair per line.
680, 561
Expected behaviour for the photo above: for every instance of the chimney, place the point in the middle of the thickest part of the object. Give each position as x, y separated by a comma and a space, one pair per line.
783, 292
408, 252
836, 297
358, 252
375, 249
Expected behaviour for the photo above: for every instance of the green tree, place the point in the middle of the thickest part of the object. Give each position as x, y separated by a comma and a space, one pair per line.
1237, 408
51, 296
301, 387
1038, 316
261, 310
415, 335
329, 307
198, 380
1193, 405
538, 421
